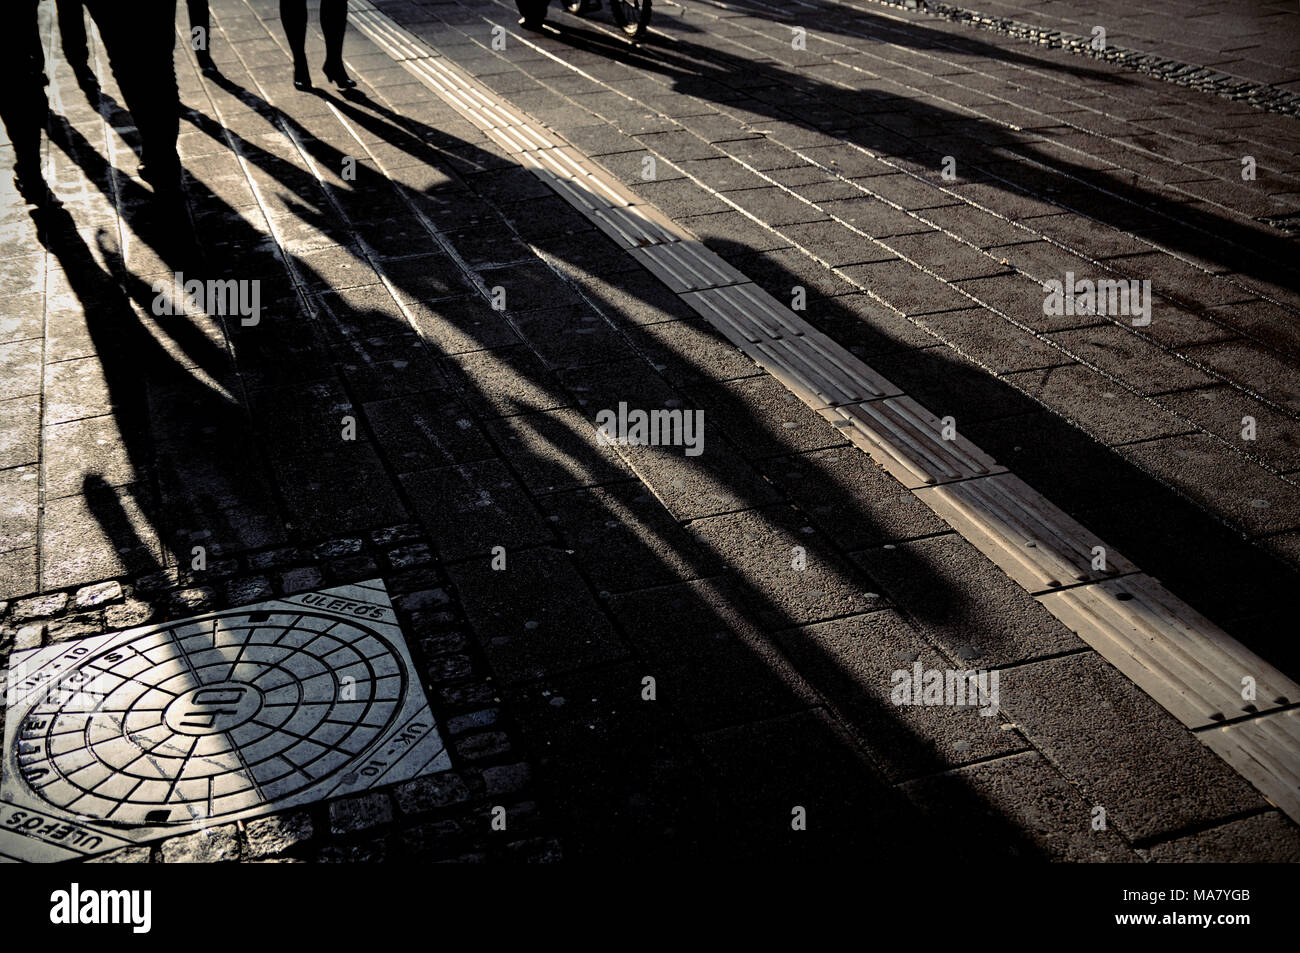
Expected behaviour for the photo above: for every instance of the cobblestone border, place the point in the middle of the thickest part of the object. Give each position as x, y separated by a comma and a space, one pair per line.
445, 816
1189, 75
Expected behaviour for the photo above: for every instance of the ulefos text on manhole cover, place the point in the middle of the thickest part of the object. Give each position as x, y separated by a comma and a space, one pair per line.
159, 730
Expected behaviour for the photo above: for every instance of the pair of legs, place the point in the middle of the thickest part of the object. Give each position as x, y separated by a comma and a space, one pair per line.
333, 23
139, 43
72, 34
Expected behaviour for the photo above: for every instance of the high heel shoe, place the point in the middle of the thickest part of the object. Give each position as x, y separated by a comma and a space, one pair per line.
336, 74
206, 66
301, 78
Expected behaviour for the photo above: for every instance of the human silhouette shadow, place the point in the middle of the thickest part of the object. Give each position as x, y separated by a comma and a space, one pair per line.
985, 151
633, 753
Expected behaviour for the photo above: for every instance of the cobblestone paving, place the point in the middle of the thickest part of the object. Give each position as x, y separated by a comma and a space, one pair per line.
130, 439
1254, 41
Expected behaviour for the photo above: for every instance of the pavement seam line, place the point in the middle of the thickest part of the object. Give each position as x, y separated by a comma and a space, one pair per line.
1162, 645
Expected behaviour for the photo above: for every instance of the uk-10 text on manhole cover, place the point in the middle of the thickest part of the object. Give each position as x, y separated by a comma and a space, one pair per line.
160, 730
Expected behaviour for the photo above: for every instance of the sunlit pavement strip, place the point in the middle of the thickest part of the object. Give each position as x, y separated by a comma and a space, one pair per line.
160, 730
1190, 666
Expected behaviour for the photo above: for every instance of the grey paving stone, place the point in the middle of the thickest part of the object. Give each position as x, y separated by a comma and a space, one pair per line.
39, 607
691, 352
21, 361
212, 845
20, 431
945, 256
721, 173
1124, 751
1127, 357
905, 287
859, 661
471, 508
327, 480
1263, 838
394, 365
557, 450
781, 271
1270, 323
1253, 367
570, 336
681, 197
99, 535
1060, 459
73, 389
273, 836
20, 316
633, 298
124, 855
1017, 807
709, 662
993, 341
625, 539
1100, 406
536, 617
950, 385
850, 499
770, 768
90, 597
1210, 473
1021, 299
964, 603
618, 772
764, 419
765, 547
775, 206
836, 244
722, 231
422, 431
456, 325
507, 381
360, 812
1222, 411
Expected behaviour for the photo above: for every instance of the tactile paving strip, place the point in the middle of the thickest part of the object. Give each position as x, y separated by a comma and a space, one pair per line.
1031, 540
1263, 750
1177, 656
165, 729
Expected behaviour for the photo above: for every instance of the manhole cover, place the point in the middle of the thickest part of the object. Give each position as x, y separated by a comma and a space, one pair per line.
155, 731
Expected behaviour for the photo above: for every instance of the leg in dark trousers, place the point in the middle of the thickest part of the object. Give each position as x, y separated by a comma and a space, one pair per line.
334, 22
24, 107
201, 34
72, 34
139, 39
293, 14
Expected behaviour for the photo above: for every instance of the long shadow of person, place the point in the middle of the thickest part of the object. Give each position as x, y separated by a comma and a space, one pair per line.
922, 133
622, 787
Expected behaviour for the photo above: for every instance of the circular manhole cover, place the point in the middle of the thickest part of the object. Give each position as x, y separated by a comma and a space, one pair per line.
206, 718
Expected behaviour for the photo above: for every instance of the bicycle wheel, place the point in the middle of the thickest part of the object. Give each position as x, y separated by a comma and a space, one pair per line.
632, 15
532, 11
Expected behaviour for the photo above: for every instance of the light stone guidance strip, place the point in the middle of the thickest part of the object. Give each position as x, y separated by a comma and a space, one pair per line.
1233, 700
